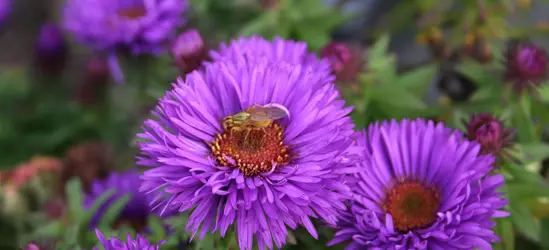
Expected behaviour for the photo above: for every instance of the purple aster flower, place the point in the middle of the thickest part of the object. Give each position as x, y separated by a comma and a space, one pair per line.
51, 49
140, 26
136, 210
279, 50
422, 186
526, 65
189, 51
140, 243
215, 151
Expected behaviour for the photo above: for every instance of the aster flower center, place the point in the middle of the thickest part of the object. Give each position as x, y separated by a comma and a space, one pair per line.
251, 150
132, 13
412, 206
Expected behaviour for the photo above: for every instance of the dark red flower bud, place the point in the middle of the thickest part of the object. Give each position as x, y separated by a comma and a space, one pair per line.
490, 133
95, 82
50, 50
189, 51
526, 65
269, 4
346, 62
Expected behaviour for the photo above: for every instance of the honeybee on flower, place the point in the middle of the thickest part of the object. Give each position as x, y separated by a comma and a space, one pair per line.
256, 117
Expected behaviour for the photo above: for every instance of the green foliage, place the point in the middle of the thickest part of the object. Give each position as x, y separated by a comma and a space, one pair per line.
39, 115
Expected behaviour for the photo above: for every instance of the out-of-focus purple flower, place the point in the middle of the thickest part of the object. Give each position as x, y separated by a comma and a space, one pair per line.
40, 245
346, 61
5, 11
95, 81
490, 133
50, 50
264, 180
189, 51
140, 243
32, 246
139, 26
136, 210
526, 65
278, 50
422, 186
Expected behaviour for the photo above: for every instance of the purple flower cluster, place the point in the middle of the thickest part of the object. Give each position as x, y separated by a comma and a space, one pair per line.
218, 149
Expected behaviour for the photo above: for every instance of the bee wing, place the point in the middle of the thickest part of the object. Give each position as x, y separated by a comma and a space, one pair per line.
276, 111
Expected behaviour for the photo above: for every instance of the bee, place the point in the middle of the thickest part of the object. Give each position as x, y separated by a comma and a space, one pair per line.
256, 117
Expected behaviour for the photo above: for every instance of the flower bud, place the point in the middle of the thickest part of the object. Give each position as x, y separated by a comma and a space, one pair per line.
490, 133
345, 61
94, 84
526, 65
50, 50
269, 4
189, 51
87, 161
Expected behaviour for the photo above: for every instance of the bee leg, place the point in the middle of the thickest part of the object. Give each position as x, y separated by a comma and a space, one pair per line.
247, 133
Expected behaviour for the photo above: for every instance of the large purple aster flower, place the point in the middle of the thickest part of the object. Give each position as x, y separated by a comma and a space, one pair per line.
279, 50
264, 176
422, 186
136, 210
140, 243
140, 26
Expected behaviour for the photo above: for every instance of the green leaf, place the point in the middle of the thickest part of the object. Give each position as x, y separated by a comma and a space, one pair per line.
50, 230
398, 98
74, 196
532, 152
543, 91
157, 229
113, 211
544, 233
478, 74
526, 190
523, 218
523, 121
504, 230
520, 174
315, 38
207, 243
379, 49
417, 80
260, 24
384, 69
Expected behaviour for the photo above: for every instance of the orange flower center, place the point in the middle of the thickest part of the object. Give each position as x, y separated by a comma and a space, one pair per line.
252, 150
412, 206
132, 13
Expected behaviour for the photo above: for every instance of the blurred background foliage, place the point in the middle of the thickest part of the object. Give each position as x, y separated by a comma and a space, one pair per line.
64, 122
